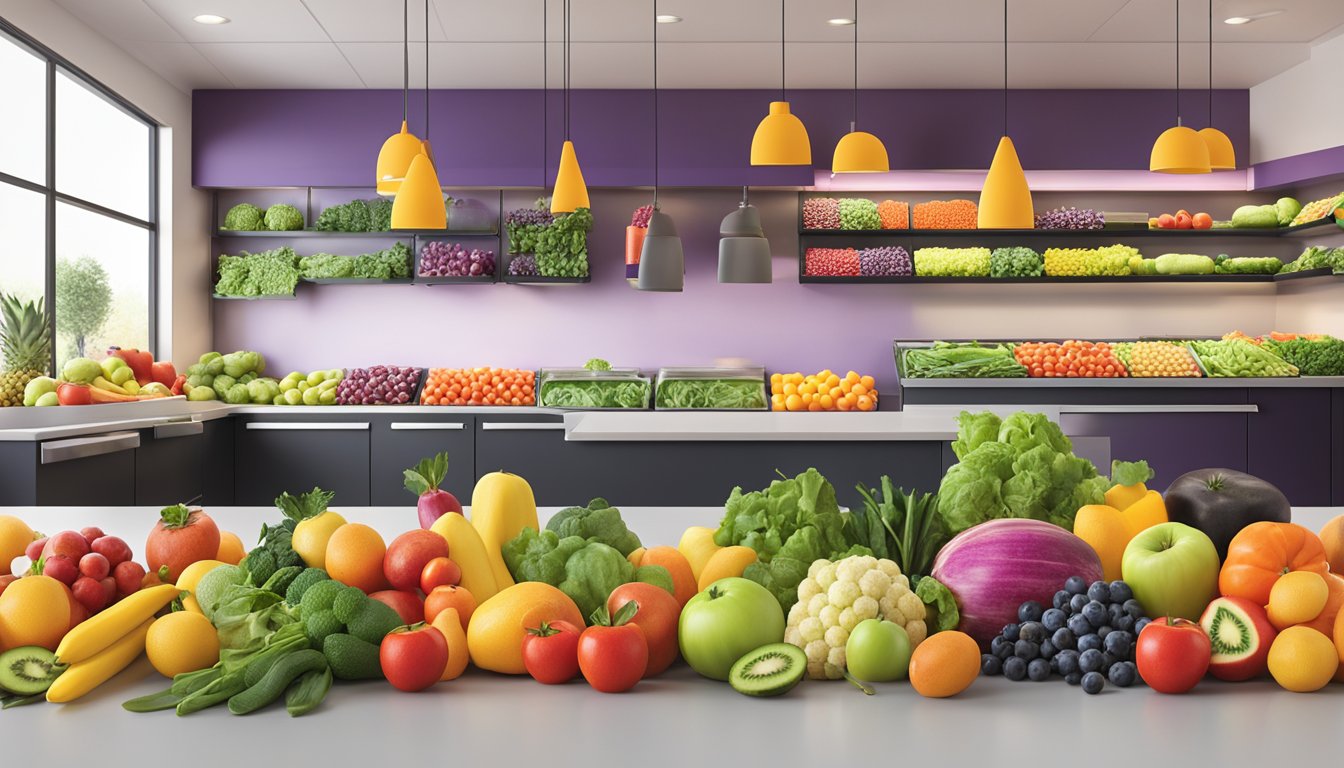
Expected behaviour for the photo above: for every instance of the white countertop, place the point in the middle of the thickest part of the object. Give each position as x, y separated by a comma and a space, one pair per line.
678, 719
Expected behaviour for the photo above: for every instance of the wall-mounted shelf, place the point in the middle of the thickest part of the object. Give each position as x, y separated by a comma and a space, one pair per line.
1120, 233
483, 280
356, 281
539, 280
277, 297
387, 233
1108, 279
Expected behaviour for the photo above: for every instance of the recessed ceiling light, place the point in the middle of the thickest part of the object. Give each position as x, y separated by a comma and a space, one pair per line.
666, 18
210, 18
839, 22
1238, 20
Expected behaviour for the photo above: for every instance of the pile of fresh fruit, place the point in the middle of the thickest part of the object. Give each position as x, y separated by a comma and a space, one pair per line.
821, 213
231, 378
859, 213
315, 388
1072, 359
443, 259
823, 391
479, 386
1181, 219
832, 262
1157, 359
894, 214
379, 385
946, 214
952, 262
1089, 262
885, 261
25, 343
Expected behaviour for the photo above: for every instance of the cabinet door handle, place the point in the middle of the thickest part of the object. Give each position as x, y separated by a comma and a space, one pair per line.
55, 451
427, 425
178, 429
310, 426
522, 426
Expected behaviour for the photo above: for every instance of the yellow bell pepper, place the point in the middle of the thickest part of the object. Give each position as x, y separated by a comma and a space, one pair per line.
1121, 496
502, 505
1143, 514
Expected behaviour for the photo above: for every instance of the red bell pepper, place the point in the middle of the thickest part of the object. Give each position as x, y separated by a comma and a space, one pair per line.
141, 363
163, 372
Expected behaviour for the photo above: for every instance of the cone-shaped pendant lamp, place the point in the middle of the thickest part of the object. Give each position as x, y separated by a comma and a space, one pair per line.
394, 159
858, 151
662, 264
1005, 200
571, 193
781, 138
419, 202
1179, 149
744, 253
1222, 157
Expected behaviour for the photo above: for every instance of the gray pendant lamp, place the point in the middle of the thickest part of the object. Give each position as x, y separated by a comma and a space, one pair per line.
662, 264
744, 253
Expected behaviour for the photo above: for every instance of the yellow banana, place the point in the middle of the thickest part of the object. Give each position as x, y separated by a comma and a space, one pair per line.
102, 630
83, 677
468, 551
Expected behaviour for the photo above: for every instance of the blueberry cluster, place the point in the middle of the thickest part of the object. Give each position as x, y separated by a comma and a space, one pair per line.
1087, 636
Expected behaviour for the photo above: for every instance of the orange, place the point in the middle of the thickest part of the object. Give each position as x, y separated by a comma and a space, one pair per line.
684, 585
944, 664
726, 562
15, 536
35, 610
1302, 659
231, 549
1332, 536
181, 642
354, 557
495, 632
447, 596
1325, 621
1297, 597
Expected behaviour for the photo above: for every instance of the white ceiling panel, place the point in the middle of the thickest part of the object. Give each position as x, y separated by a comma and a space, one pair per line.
454, 65
122, 21
282, 65
250, 21
180, 64
1301, 21
352, 20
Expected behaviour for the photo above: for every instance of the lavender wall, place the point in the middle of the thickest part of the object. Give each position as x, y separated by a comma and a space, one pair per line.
248, 138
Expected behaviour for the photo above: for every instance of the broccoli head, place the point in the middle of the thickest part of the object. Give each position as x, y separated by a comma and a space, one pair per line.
244, 217
283, 217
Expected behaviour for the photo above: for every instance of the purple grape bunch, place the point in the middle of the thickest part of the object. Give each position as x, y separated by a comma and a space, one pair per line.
440, 259
379, 385
1070, 218
887, 261
524, 265
821, 213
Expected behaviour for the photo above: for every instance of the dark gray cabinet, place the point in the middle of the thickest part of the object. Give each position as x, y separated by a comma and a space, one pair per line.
170, 464
399, 442
1288, 443
1172, 443
77, 471
295, 453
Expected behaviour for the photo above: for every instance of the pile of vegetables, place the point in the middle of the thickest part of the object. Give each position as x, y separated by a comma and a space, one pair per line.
562, 247
723, 394
946, 214
232, 378
356, 216
244, 217
1283, 212
1235, 358
1247, 265
946, 360
1318, 209
1089, 262
582, 551
625, 392
894, 214
1015, 262
1183, 264
885, 261
1021, 466
1070, 218
821, 213
1323, 356
832, 262
859, 213
269, 273
389, 263
951, 262
379, 385
442, 259
1317, 257
524, 227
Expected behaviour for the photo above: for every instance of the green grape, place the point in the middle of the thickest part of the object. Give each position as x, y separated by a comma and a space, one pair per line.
952, 262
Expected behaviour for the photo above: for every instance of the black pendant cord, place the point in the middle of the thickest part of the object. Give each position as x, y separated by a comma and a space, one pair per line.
545, 89
405, 60
1005, 67
655, 105
568, 30
783, 53
1210, 63
1178, 62
426, 70
854, 119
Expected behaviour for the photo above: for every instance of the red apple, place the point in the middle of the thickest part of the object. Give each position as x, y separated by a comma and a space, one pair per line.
439, 572
60, 568
406, 604
1172, 657
116, 550
95, 566
92, 534
78, 613
89, 593
163, 372
68, 543
109, 585
129, 575
407, 555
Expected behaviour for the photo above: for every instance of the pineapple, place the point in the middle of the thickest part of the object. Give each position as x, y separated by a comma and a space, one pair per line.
25, 341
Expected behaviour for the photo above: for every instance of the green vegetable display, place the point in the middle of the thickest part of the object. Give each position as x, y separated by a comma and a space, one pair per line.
1015, 262
356, 216
269, 273
390, 263
1022, 466
948, 360
952, 262
599, 522
1183, 264
562, 247
283, 217
1318, 257
900, 526
1311, 357
244, 217
1255, 217
1247, 265
1237, 358
1109, 260
730, 394
594, 394
859, 213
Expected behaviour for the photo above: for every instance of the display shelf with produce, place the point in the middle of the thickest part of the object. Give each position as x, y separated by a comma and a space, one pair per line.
1314, 227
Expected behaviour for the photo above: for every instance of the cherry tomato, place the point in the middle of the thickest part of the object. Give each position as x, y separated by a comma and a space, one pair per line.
413, 657
439, 572
1172, 657
551, 652
613, 658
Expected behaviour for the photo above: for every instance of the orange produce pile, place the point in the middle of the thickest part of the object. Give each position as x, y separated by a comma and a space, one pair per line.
479, 386
894, 214
824, 391
1072, 359
945, 214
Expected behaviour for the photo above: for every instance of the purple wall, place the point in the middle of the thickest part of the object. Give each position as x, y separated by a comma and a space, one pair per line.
245, 138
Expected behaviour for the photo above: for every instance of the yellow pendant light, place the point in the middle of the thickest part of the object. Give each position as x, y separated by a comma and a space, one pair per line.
1005, 199
858, 151
1222, 157
419, 202
400, 148
781, 138
1179, 149
570, 191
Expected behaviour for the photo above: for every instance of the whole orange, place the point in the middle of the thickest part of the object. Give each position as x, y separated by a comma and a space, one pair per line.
945, 664
231, 549
683, 580
1325, 620
657, 615
447, 596
1332, 536
35, 610
355, 557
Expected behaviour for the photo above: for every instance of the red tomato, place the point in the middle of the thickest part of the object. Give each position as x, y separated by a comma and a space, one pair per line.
1183, 220
413, 658
1172, 657
613, 658
1201, 221
551, 652
439, 572
657, 615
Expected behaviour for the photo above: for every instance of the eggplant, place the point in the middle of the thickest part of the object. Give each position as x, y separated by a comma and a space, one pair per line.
1220, 502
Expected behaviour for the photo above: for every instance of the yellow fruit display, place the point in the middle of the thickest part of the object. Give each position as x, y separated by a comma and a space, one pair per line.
181, 642
449, 624
34, 610
1297, 597
1302, 660
468, 551
822, 391
15, 536
495, 632
726, 562
311, 537
188, 579
1105, 529
502, 505
697, 545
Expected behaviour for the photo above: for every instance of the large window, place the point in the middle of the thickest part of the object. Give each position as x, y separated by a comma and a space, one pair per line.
78, 219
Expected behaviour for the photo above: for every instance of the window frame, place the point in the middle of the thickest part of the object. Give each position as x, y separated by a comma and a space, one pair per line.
54, 64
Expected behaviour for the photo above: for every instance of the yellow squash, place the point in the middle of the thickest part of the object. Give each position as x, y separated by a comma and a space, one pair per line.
502, 505
697, 545
103, 630
83, 677
469, 552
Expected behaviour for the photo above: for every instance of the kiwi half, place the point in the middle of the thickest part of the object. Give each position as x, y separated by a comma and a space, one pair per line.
770, 670
28, 670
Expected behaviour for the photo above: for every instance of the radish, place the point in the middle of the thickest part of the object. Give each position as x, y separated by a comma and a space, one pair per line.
424, 480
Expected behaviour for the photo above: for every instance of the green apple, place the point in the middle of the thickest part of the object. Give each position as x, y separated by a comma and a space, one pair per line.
111, 365
293, 397
878, 651
47, 399
82, 370
38, 387
724, 622
1173, 570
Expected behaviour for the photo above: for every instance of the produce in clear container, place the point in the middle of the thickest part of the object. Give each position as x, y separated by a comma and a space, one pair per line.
1157, 359
378, 385
824, 391
441, 259
1236, 358
1111, 260
952, 262
1072, 359
728, 389
1015, 262
946, 360
596, 385
946, 214
478, 386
